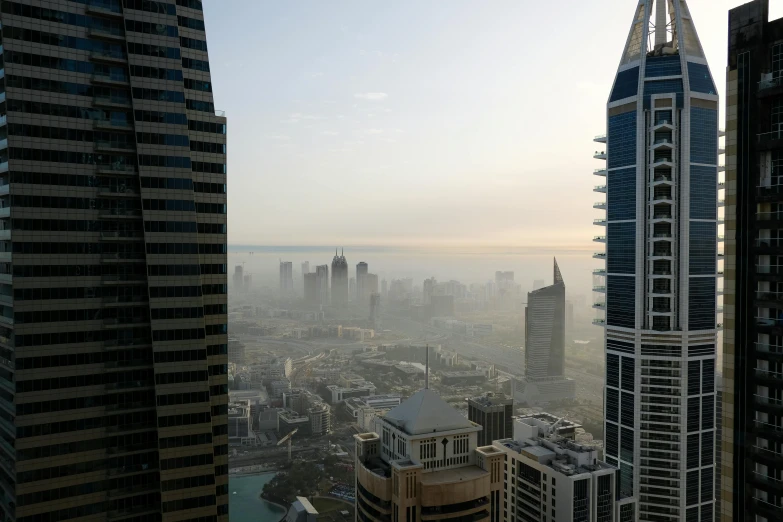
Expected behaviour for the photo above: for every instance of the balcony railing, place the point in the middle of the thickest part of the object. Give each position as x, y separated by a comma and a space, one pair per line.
774, 135
768, 400
769, 374
769, 348
770, 83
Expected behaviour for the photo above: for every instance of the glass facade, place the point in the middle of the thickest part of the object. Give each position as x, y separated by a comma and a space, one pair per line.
704, 138
621, 248
701, 312
703, 247
626, 85
704, 192
621, 140
700, 78
621, 301
663, 66
621, 194
663, 87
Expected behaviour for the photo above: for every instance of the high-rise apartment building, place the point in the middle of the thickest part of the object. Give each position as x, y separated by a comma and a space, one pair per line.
752, 463
554, 479
545, 379
661, 266
339, 279
114, 340
493, 413
286, 278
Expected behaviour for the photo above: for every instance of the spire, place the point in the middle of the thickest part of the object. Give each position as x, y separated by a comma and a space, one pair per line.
558, 276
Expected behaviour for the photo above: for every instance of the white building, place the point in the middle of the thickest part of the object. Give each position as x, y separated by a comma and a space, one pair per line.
552, 479
339, 394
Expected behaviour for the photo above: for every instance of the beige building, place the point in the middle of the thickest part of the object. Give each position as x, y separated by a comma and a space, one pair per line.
422, 463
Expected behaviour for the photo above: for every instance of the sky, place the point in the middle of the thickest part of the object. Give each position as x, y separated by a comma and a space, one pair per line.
422, 123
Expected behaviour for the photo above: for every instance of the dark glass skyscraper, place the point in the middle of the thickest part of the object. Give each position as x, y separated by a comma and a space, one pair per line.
661, 266
113, 264
752, 482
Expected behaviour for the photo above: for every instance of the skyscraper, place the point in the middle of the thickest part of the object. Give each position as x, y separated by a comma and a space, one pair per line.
114, 337
286, 278
545, 379
661, 266
322, 283
361, 274
752, 464
339, 279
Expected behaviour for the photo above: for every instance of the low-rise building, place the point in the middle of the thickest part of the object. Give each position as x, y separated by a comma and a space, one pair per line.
301, 510
530, 426
240, 424
289, 420
339, 393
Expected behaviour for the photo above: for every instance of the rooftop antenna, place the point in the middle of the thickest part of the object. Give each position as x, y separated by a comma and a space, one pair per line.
427, 368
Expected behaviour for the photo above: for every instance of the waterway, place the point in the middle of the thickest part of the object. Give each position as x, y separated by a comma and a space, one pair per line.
246, 505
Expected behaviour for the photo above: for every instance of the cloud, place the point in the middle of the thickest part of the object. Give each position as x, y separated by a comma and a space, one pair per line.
330, 133
374, 131
371, 96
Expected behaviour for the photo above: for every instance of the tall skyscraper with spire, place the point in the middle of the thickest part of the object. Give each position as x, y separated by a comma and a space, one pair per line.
661, 266
339, 279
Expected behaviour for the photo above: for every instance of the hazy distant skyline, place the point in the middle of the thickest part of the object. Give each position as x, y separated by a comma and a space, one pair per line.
422, 123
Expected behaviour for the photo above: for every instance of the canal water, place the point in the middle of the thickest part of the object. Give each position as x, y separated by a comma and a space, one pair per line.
246, 505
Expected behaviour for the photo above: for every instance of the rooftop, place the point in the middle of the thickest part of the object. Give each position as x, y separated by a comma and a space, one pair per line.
425, 412
449, 476
466, 373
562, 455
491, 399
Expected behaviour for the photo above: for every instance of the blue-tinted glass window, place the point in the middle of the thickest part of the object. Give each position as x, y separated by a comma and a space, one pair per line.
704, 136
626, 444
621, 248
703, 247
621, 301
626, 413
663, 66
626, 479
628, 370
704, 192
701, 313
613, 370
612, 405
626, 84
621, 194
621, 140
612, 439
662, 87
700, 78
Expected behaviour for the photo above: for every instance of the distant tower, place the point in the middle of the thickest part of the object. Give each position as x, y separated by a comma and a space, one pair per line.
286, 278
339, 279
322, 284
238, 278
306, 267
361, 274
384, 288
375, 307
545, 379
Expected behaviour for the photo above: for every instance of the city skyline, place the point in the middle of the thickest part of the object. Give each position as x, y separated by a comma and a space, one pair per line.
494, 149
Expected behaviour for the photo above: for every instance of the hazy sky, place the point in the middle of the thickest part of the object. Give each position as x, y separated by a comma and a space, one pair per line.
422, 122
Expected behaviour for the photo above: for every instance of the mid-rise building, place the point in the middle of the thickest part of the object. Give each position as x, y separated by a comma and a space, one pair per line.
660, 290
552, 479
289, 420
339, 394
286, 278
114, 267
423, 461
339, 279
752, 448
493, 412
